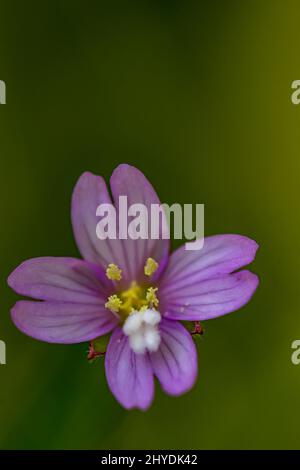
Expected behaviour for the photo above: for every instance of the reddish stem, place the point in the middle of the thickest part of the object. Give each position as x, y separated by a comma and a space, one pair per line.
198, 330
92, 354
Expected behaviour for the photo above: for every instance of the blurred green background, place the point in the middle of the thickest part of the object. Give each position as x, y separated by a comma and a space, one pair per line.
197, 95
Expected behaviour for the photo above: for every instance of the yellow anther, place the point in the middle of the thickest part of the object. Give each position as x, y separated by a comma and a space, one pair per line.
143, 308
150, 267
151, 296
114, 303
113, 272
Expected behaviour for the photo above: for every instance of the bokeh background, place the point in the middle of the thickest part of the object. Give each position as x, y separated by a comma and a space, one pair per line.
197, 95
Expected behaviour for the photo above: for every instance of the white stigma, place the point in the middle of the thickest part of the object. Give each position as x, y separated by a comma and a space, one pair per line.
141, 327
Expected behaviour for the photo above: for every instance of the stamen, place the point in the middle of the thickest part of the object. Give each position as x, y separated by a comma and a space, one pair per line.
113, 272
114, 303
135, 298
151, 296
150, 267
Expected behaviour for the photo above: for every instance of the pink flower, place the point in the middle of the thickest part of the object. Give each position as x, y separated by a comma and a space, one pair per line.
134, 290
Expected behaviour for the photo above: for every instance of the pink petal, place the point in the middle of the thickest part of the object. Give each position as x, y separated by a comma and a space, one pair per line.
130, 255
61, 322
60, 279
197, 285
175, 363
128, 181
90, 191
129, 375
211, 298
221, 254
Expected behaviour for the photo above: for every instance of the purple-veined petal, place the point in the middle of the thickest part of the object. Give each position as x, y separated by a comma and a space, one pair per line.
128, 181
60, 279
175, 362
221, 254
210, 298
130, 255
90, 191
62, 322
129, 375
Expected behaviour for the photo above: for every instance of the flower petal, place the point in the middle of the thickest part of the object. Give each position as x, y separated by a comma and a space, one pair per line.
175, 362
60, 279
211, 298
221, 254
185, 292
128, 181
90, 191
130, 255
62, 322
129, 375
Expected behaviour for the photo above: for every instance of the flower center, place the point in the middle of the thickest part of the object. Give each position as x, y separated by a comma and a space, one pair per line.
137, 309
135, 298
132, 299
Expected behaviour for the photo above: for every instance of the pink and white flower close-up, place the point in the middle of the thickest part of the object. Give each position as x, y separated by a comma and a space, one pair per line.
135, 290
